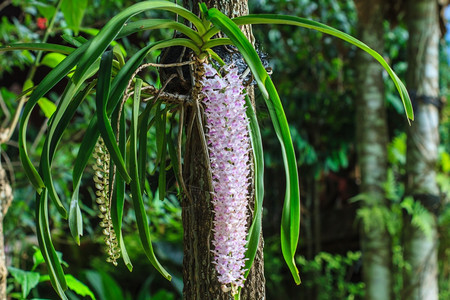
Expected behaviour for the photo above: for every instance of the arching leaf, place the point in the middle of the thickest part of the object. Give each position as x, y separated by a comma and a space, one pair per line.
109, 32
254, 232
150, 24
301, 22
45, 244
46, 84
138, 203
103, 89
118, 195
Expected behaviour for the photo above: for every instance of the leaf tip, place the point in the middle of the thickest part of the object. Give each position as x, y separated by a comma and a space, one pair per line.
203, 9
38, 190
130, 267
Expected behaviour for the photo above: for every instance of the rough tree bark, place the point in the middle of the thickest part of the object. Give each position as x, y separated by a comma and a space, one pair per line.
422, 147
199, 275
371, 133
6, 197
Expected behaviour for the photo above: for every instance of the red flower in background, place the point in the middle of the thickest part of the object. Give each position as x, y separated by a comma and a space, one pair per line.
42, 23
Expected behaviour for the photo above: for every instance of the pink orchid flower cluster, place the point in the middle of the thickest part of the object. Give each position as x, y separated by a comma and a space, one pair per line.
229, 146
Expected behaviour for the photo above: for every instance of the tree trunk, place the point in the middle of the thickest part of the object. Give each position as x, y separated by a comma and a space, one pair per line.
420, 249
199, 274
6, 197
371, 133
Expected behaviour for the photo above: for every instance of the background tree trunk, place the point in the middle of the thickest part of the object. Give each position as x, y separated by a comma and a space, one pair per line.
371, 134
199, 275
422, 147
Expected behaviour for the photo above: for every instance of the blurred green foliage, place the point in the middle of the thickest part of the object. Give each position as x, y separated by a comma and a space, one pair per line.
315, 79
331, 274
315, 75
29, 280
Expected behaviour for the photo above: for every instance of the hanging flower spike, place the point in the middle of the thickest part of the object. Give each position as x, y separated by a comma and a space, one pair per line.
101, 179
229, 146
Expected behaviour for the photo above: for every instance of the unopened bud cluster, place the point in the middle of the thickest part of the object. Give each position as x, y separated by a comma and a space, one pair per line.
101, 179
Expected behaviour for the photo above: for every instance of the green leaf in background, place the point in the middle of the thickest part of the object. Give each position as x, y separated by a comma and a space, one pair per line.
73, 11
51, 60
104, 285
28, 85
37, 258
27, 280
79, 287
46, 10
163, 295
38, 47
47, 107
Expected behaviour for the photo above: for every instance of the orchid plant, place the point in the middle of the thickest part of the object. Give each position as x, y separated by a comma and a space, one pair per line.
94, 66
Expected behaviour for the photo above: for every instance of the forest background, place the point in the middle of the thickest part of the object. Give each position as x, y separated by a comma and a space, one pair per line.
316, 76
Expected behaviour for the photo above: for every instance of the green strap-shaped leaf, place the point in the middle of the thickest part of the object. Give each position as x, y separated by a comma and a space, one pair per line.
119, 55
290, 224
103, 85
75, 217
46, 157
290, 218
59, 121
150, 24
254, 232
174, 159
142, 128
38, 47
45, 244
51, 80
119, 85
118, 196
138, 203
114, 26
301, 22
161, 117
215, 43
46, 84
76, 41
